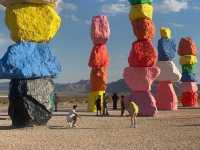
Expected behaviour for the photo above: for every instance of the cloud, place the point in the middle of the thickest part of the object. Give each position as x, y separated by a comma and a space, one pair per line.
72, 17
115, 8
66, 6
167, 6
177, 25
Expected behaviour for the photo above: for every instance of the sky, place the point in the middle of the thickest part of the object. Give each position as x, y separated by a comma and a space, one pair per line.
72, 44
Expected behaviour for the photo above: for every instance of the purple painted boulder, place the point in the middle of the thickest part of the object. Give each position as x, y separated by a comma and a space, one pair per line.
145, 101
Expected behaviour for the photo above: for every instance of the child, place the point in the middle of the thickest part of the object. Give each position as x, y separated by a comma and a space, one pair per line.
133, 111
72, 117
98, 104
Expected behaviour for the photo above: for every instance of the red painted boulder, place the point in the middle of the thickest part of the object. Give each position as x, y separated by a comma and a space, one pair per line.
187, 47
143, 29
166, 98
145, 101
189, 99
98, 79
99, 56
140, 79
100, 29
142, 54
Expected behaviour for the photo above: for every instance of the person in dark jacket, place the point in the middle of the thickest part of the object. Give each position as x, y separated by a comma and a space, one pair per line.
122, 105
98, 105
115, 100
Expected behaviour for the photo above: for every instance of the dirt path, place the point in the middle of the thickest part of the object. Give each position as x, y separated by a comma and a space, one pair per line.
168, 131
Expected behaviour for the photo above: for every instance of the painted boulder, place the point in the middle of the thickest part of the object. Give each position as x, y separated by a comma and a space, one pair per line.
166, 49
100, 29
189, 87
166, 98
98, 79
32, 22
143, 29
99, 57
169, 71
25, 60
142, 54
141, 11
187, 47
145, 101
188, 77
140, 79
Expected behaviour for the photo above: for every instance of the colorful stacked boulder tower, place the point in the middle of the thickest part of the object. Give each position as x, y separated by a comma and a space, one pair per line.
30, 63
188, 60
166, 98
142, 70
99, 59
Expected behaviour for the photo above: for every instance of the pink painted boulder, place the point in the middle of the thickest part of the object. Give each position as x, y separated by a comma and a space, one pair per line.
145, 101
140, 79
100, 29
189, 87
166, 98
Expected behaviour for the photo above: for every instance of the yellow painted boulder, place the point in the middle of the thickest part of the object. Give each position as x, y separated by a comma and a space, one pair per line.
32, 22
165, 32
92, 99
6, 3
141, 11
188, 60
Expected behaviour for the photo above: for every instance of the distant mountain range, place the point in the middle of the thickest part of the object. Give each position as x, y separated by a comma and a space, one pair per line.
82, 88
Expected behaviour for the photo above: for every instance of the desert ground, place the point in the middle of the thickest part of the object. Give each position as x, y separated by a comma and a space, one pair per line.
178, 130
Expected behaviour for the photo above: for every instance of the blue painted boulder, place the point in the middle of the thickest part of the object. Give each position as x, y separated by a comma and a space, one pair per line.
28, 60
188, 77
166, 49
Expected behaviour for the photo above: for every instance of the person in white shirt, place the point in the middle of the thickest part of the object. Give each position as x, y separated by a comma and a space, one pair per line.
72, 117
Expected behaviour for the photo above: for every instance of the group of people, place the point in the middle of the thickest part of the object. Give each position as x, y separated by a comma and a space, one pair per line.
115, 99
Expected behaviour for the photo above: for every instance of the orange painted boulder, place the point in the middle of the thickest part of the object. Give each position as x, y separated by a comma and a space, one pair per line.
166, 98
142, 54
187, 47
98, 79
99, 57
143, 29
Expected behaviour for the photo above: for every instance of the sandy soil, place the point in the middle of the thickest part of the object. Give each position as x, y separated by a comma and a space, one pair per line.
168, 131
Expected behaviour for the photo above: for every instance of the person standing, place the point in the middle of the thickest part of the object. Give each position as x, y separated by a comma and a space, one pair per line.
98, 105
122, 105
115, 100
105, 105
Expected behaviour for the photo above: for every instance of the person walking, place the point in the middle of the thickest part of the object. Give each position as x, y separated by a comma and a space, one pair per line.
115, 100
122, 105
105, 105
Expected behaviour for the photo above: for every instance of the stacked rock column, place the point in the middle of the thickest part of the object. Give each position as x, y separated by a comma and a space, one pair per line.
188, 60
142, 71
30, 62
166, 98
99, 59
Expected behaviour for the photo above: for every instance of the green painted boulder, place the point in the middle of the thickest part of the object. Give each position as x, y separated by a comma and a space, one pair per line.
189, 68
135, 2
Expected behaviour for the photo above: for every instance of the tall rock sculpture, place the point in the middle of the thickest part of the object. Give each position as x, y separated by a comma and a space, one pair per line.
142, 70
188, 60
166, 98
30, 63
99, 59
